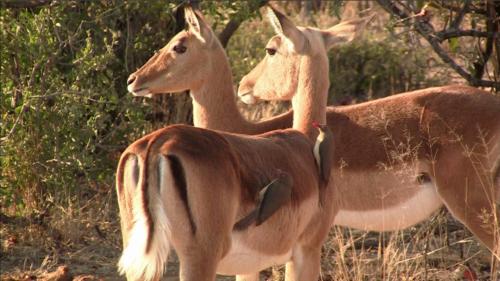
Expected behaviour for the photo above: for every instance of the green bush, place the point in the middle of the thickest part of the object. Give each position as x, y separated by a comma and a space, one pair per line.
368, 69
65, 111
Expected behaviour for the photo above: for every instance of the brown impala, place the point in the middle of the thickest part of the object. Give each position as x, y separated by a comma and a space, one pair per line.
398, 159
186, 188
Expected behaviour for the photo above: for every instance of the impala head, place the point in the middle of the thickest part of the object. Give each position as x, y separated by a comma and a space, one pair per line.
181, 64
276, 76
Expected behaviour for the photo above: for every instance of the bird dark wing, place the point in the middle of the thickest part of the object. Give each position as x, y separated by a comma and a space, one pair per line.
326, 159
273, 197
246, 221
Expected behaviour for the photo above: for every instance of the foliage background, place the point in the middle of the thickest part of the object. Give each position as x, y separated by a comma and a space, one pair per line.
66, 114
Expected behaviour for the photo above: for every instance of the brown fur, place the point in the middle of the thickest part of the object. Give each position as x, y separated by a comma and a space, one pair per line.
362, 132
181, 185
252, 162
223, 174
362, 128
214, 104
449, 134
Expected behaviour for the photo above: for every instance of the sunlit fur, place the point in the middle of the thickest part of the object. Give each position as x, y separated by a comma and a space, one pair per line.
214, 104
135, 262
359, 146
451, 134
224, 173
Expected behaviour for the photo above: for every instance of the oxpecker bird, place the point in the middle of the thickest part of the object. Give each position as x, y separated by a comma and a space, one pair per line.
323, 149
271, 198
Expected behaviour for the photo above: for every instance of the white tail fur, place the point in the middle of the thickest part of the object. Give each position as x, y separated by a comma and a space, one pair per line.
135, 262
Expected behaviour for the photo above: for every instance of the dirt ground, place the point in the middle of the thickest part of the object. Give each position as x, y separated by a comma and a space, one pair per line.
33, 251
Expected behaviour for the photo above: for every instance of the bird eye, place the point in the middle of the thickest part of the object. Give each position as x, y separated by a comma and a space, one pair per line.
180, 49
271, 51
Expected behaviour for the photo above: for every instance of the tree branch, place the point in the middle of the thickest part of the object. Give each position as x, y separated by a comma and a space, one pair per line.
393, 9
233, 25
447, 34
426, 29
491, 27
228, 31
480, 64
458, 19
443, 4
26, 4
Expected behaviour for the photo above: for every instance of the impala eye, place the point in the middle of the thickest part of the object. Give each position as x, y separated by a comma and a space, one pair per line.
271, 51
180, 49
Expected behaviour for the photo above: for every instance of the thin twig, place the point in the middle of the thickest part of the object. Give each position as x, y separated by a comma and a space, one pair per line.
18, 119
447, 34
232, 26
426, 29
460, 16
480, 64
471, 8
26, 4
127, 40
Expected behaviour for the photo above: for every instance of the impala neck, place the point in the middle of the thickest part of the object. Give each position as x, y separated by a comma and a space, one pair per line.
214, 102
309, 103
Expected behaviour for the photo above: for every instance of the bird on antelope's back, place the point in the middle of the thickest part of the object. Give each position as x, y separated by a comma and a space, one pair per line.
323, 149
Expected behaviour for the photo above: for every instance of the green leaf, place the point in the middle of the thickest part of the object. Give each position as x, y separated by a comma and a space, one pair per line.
453, 43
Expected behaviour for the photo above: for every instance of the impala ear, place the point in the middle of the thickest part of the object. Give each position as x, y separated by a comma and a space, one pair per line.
180, 19
282, 25
197, 25
344, 32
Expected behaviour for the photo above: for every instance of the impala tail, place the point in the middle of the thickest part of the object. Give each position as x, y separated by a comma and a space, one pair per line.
142, 186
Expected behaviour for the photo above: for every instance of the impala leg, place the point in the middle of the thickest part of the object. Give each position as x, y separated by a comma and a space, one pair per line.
200, 255
305, 265
193, 273
248, 277
470, 197
198, 266
200, 252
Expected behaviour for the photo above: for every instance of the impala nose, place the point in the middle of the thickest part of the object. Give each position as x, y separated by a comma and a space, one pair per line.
131, 79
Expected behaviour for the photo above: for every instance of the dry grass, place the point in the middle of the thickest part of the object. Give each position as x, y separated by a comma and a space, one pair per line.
438, 249
84, 234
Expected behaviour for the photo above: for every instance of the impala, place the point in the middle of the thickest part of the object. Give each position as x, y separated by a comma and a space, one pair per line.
400, 158
187, 188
